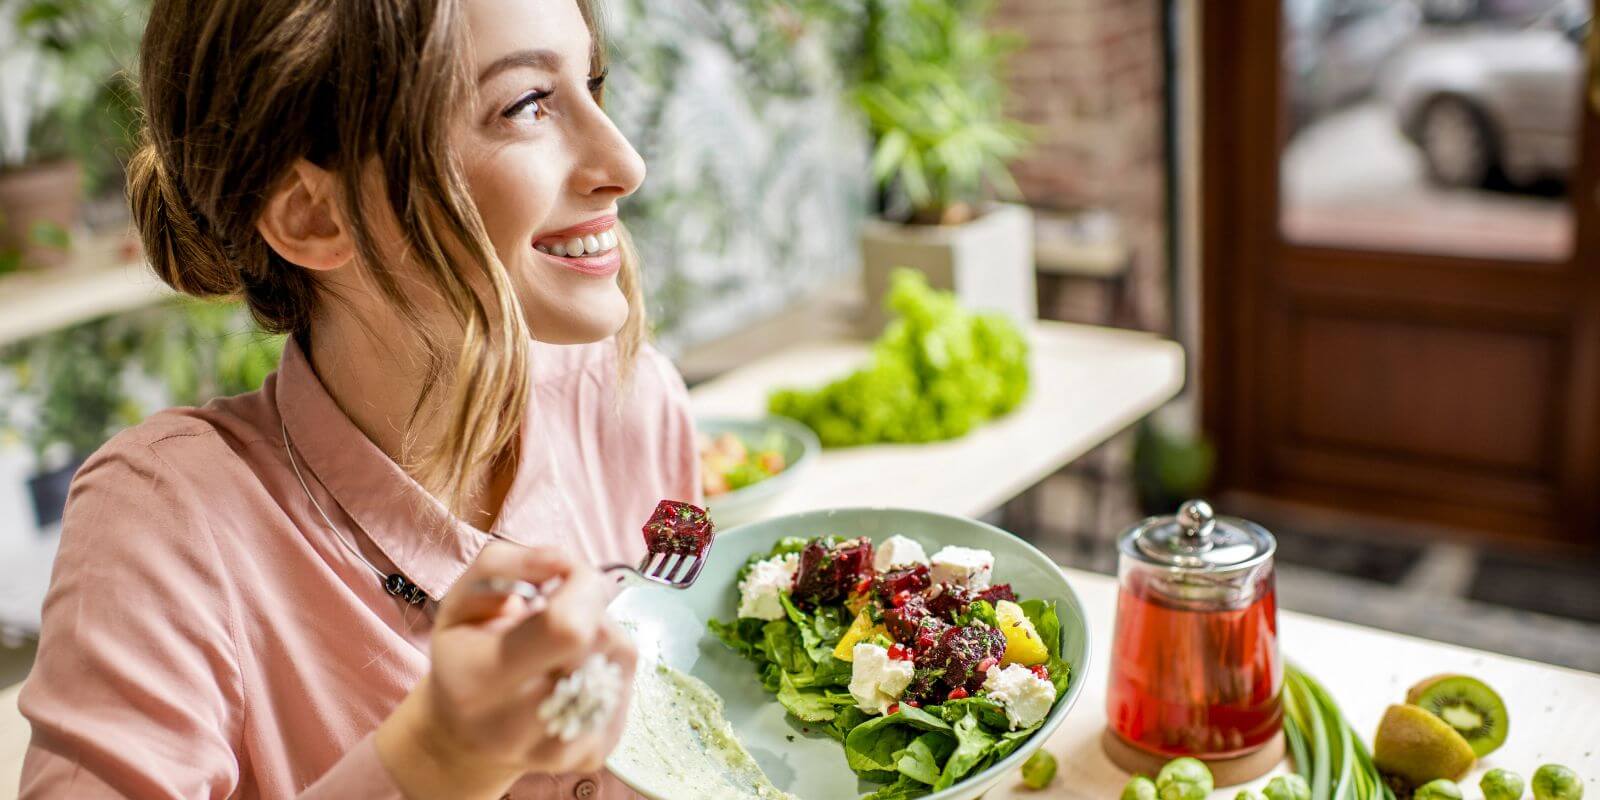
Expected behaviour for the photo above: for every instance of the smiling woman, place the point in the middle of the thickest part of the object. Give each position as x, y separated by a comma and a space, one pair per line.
290, 593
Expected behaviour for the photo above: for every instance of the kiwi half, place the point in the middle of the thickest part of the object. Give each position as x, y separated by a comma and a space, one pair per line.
1417, 747
1468, 705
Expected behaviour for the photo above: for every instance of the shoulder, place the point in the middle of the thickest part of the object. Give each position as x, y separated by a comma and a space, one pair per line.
161, 477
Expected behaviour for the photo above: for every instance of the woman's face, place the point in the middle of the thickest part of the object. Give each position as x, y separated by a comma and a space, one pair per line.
546, 167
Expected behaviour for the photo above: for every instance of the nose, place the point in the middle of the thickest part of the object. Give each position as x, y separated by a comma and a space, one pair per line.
607, 164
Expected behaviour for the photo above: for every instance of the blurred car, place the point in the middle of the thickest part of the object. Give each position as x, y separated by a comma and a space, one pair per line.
1338, 49
1482, 100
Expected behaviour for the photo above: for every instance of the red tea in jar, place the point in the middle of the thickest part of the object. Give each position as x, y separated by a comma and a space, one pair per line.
1195, 668
1187, 682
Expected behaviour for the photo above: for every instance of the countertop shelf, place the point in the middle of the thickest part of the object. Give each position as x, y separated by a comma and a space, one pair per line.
99, 280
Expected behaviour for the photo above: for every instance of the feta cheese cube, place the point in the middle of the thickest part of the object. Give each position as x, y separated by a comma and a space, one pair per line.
766, 580
898, 551
876, 680
963, 566
1026, 697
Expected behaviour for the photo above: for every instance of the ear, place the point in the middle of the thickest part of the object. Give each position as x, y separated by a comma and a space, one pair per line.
303, 222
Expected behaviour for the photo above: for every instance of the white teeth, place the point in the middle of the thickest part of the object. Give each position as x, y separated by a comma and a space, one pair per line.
579, 246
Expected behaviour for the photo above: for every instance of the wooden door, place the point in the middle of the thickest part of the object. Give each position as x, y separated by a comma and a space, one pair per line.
1381, 334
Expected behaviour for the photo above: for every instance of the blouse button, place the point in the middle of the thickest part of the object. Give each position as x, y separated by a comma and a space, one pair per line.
585, 789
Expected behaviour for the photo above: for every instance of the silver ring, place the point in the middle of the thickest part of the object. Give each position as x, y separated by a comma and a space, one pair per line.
583, 700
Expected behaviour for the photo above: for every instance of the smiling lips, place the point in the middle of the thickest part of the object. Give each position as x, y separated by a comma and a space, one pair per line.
590, 239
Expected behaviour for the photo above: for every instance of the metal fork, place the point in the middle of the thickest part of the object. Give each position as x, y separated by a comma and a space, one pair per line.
672, 570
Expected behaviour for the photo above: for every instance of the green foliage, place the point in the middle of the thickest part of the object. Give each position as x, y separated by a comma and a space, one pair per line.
81, 100
76, 387
937, 372
933, 93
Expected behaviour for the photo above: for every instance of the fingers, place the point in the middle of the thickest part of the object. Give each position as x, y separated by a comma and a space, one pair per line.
536, 565
565, 633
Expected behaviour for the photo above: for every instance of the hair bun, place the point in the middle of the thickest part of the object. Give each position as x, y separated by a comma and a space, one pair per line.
180, 248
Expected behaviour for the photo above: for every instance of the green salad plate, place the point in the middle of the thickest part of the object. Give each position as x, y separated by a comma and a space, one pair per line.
795, 442
669, 627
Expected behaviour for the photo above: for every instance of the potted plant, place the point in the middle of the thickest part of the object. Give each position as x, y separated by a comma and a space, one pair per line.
64, 110
71, 401
931, 88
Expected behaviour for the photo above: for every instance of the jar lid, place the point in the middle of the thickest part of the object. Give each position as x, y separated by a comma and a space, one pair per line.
1196, 539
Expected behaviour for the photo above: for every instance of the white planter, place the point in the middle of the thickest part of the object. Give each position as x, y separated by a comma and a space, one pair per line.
987, 262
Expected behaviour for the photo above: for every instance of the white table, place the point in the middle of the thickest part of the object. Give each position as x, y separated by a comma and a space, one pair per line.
1088, 384
1555, 712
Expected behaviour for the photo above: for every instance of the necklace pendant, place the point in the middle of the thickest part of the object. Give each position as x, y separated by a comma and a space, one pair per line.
397, 585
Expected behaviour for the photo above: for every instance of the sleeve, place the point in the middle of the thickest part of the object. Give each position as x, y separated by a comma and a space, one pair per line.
137, 691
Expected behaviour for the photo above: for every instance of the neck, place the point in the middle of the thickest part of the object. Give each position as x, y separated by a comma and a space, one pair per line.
375, 372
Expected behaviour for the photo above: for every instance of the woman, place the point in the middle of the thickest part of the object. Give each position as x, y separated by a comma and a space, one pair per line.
293, 593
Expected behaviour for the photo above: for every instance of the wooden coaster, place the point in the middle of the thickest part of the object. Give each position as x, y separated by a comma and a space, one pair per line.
1226, 771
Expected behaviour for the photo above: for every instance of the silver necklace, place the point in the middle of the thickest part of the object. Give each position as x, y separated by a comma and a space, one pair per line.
394, 583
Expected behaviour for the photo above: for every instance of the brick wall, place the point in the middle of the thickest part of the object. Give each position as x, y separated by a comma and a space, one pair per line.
1090, 78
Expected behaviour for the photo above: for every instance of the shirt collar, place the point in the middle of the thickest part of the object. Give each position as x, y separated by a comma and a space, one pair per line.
430, 546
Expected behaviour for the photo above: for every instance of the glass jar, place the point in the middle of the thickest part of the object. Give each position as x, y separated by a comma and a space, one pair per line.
1195, 669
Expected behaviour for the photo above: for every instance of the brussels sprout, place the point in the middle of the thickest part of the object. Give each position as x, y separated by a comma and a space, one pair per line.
1555, 782
1501, 784
1246, 794
1184, 779
1441, 789
1288, 787
1039, 770
1139, 788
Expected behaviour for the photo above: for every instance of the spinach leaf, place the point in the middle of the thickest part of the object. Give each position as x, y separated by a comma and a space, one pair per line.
743, 635
1011, 740
923, 756
807, 706
973, 745
849, 717
1045, 620
874, 745
785, 647
902, 789
988, 711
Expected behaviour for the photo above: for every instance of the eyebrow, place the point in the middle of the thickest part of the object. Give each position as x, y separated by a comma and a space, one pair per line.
548, 60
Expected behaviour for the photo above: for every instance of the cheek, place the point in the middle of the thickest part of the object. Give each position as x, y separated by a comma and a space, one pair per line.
514, 201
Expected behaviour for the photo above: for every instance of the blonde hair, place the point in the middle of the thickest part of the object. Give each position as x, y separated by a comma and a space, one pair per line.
235, 91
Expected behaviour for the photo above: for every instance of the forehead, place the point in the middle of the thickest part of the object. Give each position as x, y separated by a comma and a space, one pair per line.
500, 27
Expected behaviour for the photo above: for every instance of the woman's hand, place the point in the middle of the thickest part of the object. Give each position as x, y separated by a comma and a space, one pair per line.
471, 728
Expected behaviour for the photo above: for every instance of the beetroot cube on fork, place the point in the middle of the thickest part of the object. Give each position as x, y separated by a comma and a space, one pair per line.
678, 528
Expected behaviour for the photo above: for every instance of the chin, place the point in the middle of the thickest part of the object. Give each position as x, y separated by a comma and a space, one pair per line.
586, 314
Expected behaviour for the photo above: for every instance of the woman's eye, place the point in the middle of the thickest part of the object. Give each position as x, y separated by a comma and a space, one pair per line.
530, 107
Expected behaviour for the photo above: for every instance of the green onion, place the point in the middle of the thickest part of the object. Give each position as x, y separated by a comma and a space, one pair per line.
1326, 751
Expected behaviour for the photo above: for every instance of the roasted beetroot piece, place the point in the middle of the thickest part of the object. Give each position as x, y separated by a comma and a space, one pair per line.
828, 572
928, 633
998, 592
679, 529
951, 601
902, 621
960, 651
911, 579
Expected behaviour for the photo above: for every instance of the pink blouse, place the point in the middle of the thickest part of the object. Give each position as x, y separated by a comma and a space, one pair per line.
207, 636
